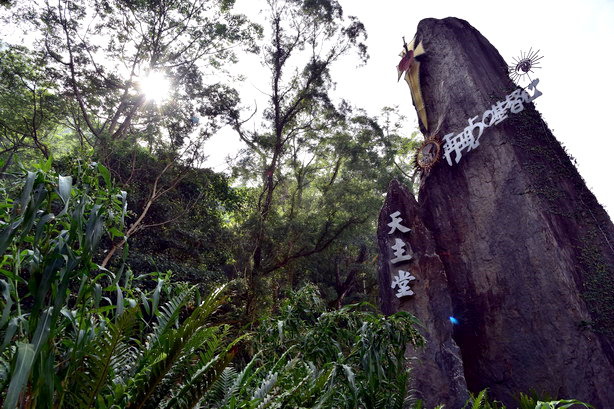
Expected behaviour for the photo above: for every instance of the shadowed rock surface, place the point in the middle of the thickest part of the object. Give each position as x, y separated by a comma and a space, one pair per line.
437, 371
526, 247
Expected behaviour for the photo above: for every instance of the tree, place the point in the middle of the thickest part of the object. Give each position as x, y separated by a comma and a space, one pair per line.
104, 53
318, 166
185, 229
341, 180
31, 111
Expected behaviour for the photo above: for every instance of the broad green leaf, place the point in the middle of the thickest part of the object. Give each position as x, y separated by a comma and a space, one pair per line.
120, 303
97, 294
64, 188
27, 190
155, 299
7, 234
40, 226
42, 329
21, 373
8, 303
11, 329
106, 175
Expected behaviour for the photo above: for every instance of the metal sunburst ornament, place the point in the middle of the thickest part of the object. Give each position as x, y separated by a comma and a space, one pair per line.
524, 65
428, 154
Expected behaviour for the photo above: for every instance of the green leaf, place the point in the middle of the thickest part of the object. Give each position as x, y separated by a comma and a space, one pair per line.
120, 303
145, 303
40, 226
46, 166
93, 229
19, 379
11, 275
115, 232
42, 329
7, 234
64, 188
11, 329
27, 190
8, 303
156, 296
561, 404
106, 175
97, 294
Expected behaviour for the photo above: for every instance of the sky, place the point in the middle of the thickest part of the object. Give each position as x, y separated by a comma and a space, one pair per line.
574, 37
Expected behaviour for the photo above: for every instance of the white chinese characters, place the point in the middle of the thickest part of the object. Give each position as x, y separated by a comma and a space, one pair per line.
401, 253
402, 281
396, 223
469, 138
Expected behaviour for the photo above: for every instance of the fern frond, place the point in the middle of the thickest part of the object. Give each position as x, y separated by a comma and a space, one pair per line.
105, 353
243, 379
265, 386
171, 347
200, 383
317, 388
476, 402
168, 314
202, 348
222, 388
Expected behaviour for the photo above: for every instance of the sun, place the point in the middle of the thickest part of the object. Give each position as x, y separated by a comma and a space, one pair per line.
155, 86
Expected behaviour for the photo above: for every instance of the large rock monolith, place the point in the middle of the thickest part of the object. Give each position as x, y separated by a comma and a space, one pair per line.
526, 248
436, 369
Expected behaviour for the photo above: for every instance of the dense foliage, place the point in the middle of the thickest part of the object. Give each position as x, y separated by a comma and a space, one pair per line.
307, 186
78, 335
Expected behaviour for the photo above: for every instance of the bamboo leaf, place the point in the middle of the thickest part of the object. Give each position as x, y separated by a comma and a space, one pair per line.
93, 229
97, 294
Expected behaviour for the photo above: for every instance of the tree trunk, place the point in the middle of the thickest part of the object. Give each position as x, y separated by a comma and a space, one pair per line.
526, 247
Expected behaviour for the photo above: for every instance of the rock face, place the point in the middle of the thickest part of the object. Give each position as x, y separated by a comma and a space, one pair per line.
437, 371
527, 250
